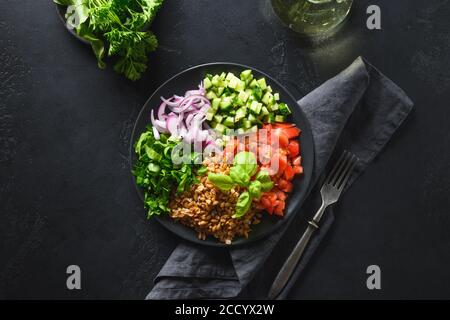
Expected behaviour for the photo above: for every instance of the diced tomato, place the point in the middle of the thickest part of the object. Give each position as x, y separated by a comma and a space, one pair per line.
283, 162
284, 125
265, 202
272, 197
279, 209
289, 173
294, 148
281, 195
297, 161
298, 169
283, 140
292, 133
285, 186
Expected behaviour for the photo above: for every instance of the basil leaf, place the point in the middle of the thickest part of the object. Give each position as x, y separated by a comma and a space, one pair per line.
243, 205
247, 162
266, 183
221, 181
255, 189
239, 176
202, 170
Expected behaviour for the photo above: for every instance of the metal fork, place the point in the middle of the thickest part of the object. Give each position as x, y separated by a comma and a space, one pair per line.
330, 192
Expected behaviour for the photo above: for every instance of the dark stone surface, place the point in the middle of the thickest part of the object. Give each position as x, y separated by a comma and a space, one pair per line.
66, 195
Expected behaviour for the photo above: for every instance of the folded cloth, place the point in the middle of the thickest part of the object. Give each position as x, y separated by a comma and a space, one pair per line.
358, 110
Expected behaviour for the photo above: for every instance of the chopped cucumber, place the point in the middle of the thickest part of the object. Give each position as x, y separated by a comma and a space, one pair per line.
247, 124
252, 119
240, 114
220, 128
255, 107
229, 122
273, 107
207, 83
246, 74
242, 102
280, 118
243, 96
230, 76
267, 98
210, 114
215, 103
218, 118
225, 104
240, 131
253, 84
233, 83
216, 81
262, 83
284, 109
211, 95
257, 93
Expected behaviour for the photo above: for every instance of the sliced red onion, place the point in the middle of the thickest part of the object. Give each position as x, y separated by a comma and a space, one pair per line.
187, 117
156, 133
160, 125
161, 110
172, 125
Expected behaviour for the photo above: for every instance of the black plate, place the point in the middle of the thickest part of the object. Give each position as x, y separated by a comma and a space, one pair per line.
189, 79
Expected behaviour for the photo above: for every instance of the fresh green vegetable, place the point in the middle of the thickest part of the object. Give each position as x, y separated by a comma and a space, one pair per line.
156, 173
242, 102
239, 176
244, 168
264, 178
255, 189
116, 28
246, 161
243, 204
221, 181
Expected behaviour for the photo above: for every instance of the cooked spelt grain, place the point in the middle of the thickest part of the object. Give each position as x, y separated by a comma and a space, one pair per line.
209, 211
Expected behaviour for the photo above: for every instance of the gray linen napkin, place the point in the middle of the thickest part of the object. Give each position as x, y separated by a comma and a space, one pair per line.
357, 110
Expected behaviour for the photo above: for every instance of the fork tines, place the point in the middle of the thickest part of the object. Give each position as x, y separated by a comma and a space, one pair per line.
341, 172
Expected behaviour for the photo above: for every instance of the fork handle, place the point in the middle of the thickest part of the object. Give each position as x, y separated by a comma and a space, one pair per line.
291, 263
289, 266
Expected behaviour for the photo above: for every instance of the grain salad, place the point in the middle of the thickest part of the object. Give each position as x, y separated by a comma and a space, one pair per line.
240, 124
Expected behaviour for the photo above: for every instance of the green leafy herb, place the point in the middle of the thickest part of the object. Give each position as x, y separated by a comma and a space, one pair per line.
239, 176
266, 183
247, 162
244, 168
255, 189
157, 175
202, 171
221, 181
116, 28
243, 204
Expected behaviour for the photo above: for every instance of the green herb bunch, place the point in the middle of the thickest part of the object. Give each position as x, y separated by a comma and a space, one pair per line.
156, 173
116, 28
241, 173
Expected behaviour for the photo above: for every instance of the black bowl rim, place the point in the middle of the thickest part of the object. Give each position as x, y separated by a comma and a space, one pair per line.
307, 181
